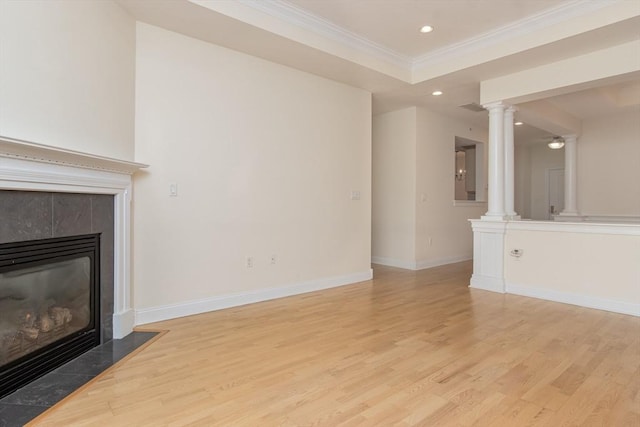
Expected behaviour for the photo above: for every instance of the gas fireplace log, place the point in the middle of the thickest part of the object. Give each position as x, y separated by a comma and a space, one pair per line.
60, 315
46, 323
30, 333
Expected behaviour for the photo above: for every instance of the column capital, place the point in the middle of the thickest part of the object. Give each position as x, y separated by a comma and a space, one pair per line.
511, 109
498, 105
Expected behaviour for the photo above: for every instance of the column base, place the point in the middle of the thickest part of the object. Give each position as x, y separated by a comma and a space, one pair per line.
487, 283
489, 217
514, 217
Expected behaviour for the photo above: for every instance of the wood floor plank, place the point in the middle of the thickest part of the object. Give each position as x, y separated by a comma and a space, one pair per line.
404, 349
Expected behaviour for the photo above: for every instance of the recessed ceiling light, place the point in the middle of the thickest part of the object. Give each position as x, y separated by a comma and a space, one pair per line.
436, 93
518, 123
426, 29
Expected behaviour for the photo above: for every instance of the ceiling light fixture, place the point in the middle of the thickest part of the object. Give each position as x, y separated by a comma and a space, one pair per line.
426, 29
557, 143
436, 93
518, 123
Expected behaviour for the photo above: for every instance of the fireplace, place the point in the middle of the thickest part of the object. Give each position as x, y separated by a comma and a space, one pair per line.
49, 305
53, 193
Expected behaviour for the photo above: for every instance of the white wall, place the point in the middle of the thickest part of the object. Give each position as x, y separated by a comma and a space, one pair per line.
609, 165
415, 222
394, 188
443, 233
562, 264
265, 158
67, 75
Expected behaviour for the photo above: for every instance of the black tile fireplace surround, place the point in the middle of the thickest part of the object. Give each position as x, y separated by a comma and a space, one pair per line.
27, 216
33, 215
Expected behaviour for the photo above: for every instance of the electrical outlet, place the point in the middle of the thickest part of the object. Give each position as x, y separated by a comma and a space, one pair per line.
517, 253
273, 259
249, 262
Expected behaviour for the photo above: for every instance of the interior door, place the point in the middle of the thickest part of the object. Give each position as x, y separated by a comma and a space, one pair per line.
555, 192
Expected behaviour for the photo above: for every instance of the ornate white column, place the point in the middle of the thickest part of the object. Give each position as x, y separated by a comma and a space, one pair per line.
509, 161
489, 231
496, 210
570, 176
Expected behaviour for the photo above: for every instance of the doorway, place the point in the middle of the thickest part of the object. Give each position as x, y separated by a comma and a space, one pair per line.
555, 192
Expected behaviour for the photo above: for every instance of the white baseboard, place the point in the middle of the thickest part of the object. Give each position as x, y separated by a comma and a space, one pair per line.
575, 299
391, 262
123, 323
487, 283
625, 219
420, 265
188, 308
436, 262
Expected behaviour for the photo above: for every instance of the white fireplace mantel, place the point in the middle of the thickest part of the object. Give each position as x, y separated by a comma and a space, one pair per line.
29, 166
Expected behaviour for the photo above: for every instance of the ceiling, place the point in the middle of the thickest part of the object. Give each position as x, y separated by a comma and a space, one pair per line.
376, 44
604, 100
395, 24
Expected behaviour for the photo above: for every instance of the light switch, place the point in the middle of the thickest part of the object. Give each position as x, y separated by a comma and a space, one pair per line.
355, 195
173, 189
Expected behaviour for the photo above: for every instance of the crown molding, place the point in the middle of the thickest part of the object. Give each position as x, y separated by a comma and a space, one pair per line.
291, 14
528, 25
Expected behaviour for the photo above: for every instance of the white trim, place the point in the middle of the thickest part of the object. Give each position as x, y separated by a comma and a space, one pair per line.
392, 262
623, 307
574, 227
470, 203
630, 219
123, 323
488, 255
188, 308
436, 262
20, 149
421, 264
530, 24
291, 14
499, 227
301, 18
29, 166
487, 283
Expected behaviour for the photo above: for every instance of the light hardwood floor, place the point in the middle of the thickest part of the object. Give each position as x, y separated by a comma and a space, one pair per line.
407, 348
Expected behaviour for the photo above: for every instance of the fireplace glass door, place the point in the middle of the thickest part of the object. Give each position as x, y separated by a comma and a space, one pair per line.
48, 305
42, 304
